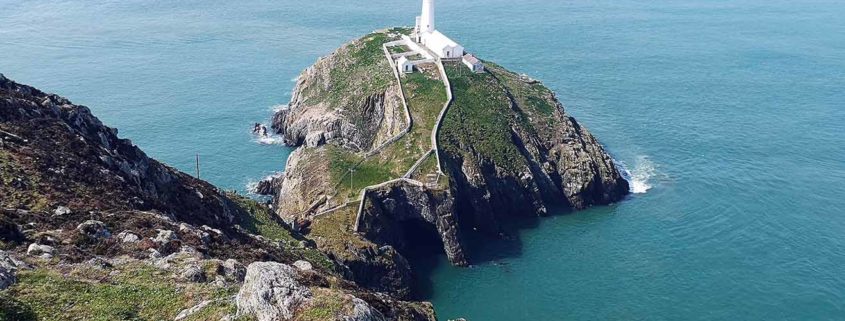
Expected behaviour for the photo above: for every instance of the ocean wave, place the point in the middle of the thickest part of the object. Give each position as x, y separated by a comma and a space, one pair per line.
639, 177
269, 139
279, 107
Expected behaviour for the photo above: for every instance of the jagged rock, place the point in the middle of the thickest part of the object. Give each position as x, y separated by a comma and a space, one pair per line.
93, 229
85, 161
358, 120
61, 210
303, 265
193, 273
128, 237
184, 314
154, 254
391, 206
270, 185
270, 292
234, 270
99, 263
361, 311
44, 251
164, 236
8, 269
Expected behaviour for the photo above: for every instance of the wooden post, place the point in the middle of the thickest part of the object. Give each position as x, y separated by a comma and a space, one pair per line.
198, 166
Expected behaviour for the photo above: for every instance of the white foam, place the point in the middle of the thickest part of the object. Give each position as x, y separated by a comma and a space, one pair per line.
279, 107
641, 174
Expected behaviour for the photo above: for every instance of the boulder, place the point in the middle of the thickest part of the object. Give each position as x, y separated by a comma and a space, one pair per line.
8, 268
128, 237
270, 292
93, 229
361, 311
303, 265
193, 273
61, 211
44, 251
164, 236
234, 270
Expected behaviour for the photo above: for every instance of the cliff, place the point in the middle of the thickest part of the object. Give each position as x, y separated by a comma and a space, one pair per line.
506, 148
92, 228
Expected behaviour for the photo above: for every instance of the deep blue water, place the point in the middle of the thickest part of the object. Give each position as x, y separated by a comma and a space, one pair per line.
729, 114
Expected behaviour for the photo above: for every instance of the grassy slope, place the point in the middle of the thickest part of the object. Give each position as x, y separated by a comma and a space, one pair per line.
262, 222
426, 95
479, 119
138, 292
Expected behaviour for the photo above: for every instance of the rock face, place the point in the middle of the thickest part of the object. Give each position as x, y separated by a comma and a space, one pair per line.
550, 159
8, 268
65, 155
406, 215
271, 292
351, 103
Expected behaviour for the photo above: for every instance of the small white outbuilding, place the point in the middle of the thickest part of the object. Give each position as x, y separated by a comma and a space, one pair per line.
473, 63
404, 65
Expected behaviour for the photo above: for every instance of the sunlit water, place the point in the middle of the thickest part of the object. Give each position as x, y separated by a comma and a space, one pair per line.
728, 115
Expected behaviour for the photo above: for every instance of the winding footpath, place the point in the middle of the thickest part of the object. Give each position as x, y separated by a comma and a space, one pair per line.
409, 120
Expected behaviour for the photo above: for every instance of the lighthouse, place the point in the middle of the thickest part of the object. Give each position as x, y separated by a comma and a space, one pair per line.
427, 18
427, 35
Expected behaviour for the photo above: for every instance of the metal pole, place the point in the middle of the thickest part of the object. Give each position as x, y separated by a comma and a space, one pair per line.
198, 166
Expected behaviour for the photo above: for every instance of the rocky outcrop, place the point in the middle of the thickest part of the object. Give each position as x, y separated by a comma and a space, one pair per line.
355, 104
270, 185
271, 292
62, 154
552, 160
406, 215
8, 270
507, 149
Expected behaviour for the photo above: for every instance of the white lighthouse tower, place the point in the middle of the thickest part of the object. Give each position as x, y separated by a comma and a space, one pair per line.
427, 35
427, 17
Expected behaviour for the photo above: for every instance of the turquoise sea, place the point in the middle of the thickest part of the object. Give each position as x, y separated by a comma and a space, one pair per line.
729, 115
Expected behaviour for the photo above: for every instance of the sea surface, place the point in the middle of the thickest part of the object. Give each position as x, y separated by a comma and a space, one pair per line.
728, 115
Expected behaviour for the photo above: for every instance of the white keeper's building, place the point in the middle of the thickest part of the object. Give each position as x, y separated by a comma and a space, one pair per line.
426, 34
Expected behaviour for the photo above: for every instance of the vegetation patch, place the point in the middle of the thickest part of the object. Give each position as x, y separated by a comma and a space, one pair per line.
260, 221
325, 305
479, 119
334, 232
138, 292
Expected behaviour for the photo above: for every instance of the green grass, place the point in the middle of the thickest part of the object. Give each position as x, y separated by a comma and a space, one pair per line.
12, 197
325, 305
137, 293
479, 119
363, 70
366, 173
334, 232
260, 221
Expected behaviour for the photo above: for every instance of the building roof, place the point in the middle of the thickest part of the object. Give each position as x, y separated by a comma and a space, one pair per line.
437, 41
402, 60
469, 58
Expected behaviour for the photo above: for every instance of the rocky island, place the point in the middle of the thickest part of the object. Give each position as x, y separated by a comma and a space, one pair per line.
387, 162
368, 185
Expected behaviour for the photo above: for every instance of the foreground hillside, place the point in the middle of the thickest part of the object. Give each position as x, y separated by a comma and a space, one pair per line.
371, 194
93, 229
